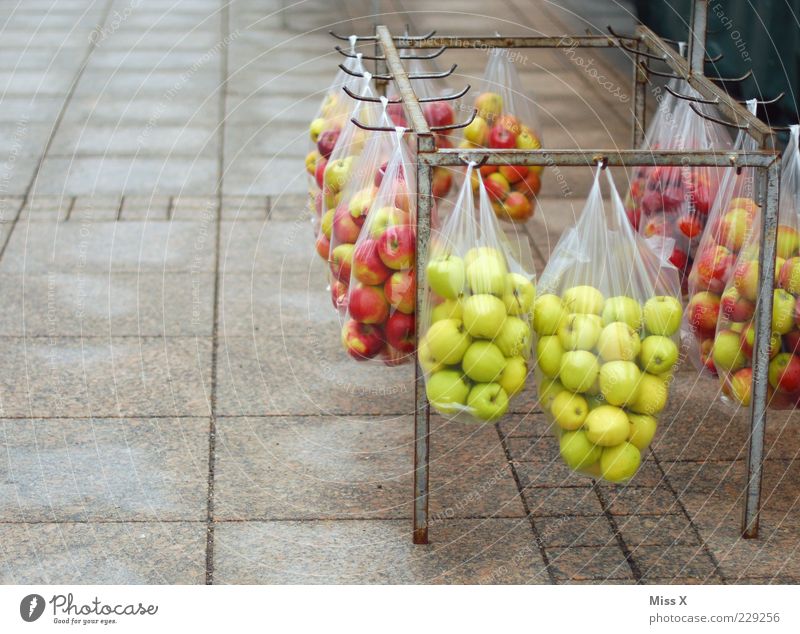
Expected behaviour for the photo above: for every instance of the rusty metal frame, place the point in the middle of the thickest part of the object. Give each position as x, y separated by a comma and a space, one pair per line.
644, 45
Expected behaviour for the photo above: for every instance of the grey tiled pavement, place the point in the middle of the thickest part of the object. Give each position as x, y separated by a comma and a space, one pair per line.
174, 405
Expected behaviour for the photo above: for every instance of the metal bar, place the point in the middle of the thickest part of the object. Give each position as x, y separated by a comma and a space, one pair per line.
639, 122
697, 36
680, 95
758, 404
453, 157
700, 113
498, 41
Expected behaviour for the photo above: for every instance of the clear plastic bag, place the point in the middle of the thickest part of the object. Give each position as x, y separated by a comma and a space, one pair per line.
673, 202
607, 318
381, 297
732, 215
732, 348
478, 313
506, 119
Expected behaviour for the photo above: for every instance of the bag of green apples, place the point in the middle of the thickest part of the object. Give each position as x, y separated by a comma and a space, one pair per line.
506, 119
607, 317
477, 314
732, 215
341, 226
327, 124
732, 349
381, 295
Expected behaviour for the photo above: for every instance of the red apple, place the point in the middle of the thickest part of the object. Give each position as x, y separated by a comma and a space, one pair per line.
396, 247
400, 291
362, 341
400, 332
345, 227
319, 174
327, 141
438, 113
791, 341
703, 311
690, 226
784, 372
518, 207
368, 304
501, 137
323, 246
735, 307
442, 181
679, 258
341, 260
497, 186
368, 268
514, 173
339, 294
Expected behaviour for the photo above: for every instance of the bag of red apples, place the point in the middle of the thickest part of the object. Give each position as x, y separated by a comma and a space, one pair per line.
478, 313
607, 318
732, 215
381, 295
672, 203
732, 350
506, 120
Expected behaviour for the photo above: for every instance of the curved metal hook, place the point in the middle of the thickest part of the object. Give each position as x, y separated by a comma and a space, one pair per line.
455, 126
374, 38
359, 38
413, 38
713, 60
765, 102
691, 98
452, 97
659, 73
632, 51
375, 128
376, 58
715, 120
749, 73
389, 77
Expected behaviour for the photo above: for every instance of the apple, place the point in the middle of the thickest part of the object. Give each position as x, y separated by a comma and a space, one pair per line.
514, 338
448, 309
448, 341
517, 206
619, 381
618, 342
484, 315
362, 341
477, 131
483, 362
337, 173
791, 339
643, 429
618, 464
319, 172
690, 225
679, 258
624, 309
442, 182
497, 186
368, 268
316, 128
501, 137
727, 352
400, 291
475, 252
360, 203
747, 340
519, 294
784, 372
579, 332
399, 332
341, 259
548, 355
583, 299
783, 305
703, 311
577, 451
345, 228
487, 274
513, 377
326, 223
339, 294
607, 426
662, 315
742, 386
735, 307
659, 354
527, 140
548, 314
488, 401
396, 247
427, 361
447, 391
712, 267
789, 276
652, 396
745, 278
513, 173
579, 370
569, 410
385, 217
311, 162
323, 246
447, 276
438, 113
788, 241
733, 229
489, 105
548, 390
368, 304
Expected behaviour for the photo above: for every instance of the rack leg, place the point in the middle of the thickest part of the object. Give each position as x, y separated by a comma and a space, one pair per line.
758, 404
639, 100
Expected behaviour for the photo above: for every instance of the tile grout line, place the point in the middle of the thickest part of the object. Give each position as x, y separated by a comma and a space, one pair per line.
623, 546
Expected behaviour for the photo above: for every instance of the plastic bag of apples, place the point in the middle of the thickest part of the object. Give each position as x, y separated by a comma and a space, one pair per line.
732, 349
506, 120
607, 317
732, 215
381, 298
478, 313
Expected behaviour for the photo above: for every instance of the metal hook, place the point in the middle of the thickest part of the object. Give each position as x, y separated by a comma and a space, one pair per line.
374, 38
435, 128
452, 97
715, 120
603, 160
691, 98
659, 73
359, 38
479, 164
742, 78
412, 38
765, 102
632, 51
389, 77
714, 60
374, 128
375, 58
455, 126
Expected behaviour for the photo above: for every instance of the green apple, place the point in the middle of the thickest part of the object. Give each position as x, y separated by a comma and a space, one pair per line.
514, 338
643, 428
583, 299
337, 173
659, 354
427, 361
447, 391
607, 425
548, 314
619, 381
548, 390
475, 252
448, 341
727, 351
577, 451
569, 410
579, 370
662, 315
487, 274
618, 342
548, 355
579, 332
447, 276
624, 309
514, 375
519, 294
618, 464
652, 396
484, 315
483, 362
782, 311
448, 309
488, 401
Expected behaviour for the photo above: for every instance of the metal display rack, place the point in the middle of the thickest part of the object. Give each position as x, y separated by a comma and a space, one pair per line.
643, 47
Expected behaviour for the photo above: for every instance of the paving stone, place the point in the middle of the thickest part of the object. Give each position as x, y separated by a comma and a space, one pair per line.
380, 551
533, 448
633, 500
553, 473
583, 563
266, 142
49, 208
274, 247
108, 109
194, 207
677, 561
575, 530
94, 208
656, 530
261, 175
151, 138
105, 377
145, 208
534, 424
114, 469
244, 207
290, 207
556, 502
116, 553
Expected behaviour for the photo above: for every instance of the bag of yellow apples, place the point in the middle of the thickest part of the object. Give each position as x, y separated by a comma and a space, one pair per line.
732, 215
732, 349
506, 119
327, 124
478, 313
381, 295
607, 318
